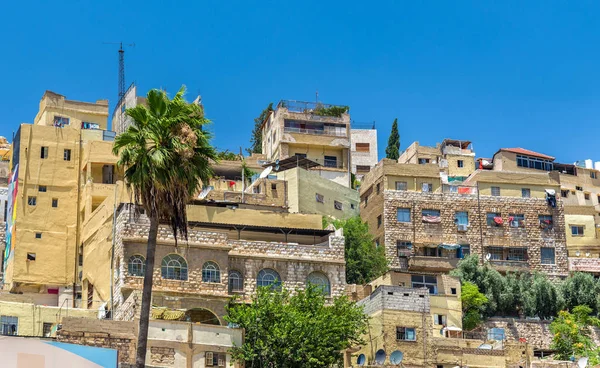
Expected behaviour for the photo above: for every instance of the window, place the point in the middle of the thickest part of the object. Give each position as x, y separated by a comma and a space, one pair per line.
377, 188
9, 325
319, 198
67, 155
352, 206
406, 334
545, 221
321, 281
136, 265
490, 218
453, 291
215, 359
362, 169
403, 248
378, 221
564, 193
577, 187
90, 295
439, 319
31, 200
496, 253
419, 281
433, 213
430, 252
460, 163
54, 202
577, 230
47, 329
60, 121
300, 155
44, 152
423, 161
42, 189
268, 278
273, 186
31, 256
517, 254
338, 205
516, 220
534, 163
461, 218
496, 191
593, 175
363, 147
256, 189
401, 185
403, 214
548, 256
174, 267
466, 250
330, 161
211, 272
427, 188
236, 281
525, 192
38, 235
586, 196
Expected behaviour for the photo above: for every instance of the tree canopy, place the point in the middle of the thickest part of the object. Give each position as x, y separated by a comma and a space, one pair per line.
473, 303
256, 137
571, 335
300, 330
364, 261
392, 150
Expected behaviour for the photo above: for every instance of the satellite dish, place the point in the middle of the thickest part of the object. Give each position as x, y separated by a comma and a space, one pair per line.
266, 172
396, 357
361, 359
204, 192
488, 257
380, 356
485, 347
582, 362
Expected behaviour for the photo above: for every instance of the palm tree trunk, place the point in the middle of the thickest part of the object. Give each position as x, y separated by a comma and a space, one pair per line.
142, 342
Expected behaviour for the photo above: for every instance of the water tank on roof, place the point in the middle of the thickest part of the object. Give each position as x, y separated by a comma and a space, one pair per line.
588, 164
597, 165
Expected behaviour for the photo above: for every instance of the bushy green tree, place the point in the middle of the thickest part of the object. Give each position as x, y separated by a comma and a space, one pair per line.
392, 150
300, 330
571, 335
581, 289
364, 261
256, 138
473, 303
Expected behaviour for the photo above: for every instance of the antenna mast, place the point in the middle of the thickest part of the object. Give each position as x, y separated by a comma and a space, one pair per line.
121, 71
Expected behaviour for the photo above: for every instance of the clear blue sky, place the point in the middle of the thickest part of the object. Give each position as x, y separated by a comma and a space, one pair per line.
501, 74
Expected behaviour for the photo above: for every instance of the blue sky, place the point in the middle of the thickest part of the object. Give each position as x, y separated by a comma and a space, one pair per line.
501, 74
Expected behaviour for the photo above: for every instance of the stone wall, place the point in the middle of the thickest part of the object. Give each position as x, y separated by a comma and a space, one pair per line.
479, 235
396, 298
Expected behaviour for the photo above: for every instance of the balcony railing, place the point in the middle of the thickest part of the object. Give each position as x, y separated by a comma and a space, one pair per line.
316, 108
315, 131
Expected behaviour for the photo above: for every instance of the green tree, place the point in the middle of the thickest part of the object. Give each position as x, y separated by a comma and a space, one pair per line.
256, 138
581, 289
364, 261
166, 156
300, 330
473, 303
571, 335
392, 150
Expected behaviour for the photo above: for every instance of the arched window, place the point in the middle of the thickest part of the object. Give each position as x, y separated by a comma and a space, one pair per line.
136, 265
236, 281
321, 281
211, 272
174, 267
268, 277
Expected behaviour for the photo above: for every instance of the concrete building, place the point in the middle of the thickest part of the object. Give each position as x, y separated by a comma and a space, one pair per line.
401, 333
364, 148
54, 160
313, 131
427, 226
229, 252
120, 121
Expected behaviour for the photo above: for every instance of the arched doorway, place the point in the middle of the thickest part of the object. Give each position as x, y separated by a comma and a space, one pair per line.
201, 315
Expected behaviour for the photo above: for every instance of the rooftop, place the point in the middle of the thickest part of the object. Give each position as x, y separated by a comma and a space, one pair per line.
523, 151
316, 108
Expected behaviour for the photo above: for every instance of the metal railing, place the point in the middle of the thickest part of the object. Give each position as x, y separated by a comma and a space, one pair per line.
315, 131
305, 106
362, 125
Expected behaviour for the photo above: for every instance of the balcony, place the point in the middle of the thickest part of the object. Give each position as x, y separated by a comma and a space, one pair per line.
316, 131
426, 263
102, 190
314, 108
591, 265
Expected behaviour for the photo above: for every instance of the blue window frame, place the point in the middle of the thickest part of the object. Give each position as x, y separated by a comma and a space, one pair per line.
403, 214
462, 218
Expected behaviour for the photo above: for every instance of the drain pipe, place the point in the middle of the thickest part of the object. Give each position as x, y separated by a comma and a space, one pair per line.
112, 255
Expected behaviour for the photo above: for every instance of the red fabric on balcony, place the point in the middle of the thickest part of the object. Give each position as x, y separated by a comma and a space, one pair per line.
498, 220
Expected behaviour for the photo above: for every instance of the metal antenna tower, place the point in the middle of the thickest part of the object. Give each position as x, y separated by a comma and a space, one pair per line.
121, 66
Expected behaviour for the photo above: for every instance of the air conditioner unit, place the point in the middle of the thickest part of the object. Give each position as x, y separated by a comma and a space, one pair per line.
462, 227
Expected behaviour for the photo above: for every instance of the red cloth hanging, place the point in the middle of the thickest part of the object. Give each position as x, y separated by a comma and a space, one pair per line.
231, 183
498, 220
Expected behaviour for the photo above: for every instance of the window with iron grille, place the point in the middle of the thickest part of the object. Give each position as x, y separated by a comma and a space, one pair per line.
211, 272
236, 281
517, 254
330, 161
496, 253
401, 185
548, 255
525, 192
496, 191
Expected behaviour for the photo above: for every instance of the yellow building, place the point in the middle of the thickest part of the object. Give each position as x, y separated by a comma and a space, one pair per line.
57, 159
306, 130
455, 158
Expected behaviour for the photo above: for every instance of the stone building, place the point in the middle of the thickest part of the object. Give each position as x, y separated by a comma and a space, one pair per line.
230, 250
425, 225
314, 131
363, 139
401, 333
455, 158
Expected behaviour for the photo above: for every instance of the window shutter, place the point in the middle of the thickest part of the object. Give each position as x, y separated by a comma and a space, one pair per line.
209, 359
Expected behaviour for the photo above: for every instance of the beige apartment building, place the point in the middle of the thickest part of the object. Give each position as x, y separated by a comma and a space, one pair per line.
364, 148
428, 226
317, 132
455, 158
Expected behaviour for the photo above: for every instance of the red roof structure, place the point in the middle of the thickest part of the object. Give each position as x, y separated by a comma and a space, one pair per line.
523, 151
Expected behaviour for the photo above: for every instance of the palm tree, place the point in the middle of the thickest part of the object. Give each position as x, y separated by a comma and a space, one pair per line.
166, 155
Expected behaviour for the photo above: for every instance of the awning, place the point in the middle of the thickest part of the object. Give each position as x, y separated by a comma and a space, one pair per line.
449, 246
